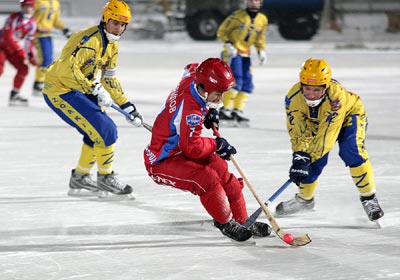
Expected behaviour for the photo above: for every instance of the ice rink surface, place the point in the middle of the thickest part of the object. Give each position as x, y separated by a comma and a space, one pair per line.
165, 233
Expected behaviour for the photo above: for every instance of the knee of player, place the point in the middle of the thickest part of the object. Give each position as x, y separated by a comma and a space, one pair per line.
23, 70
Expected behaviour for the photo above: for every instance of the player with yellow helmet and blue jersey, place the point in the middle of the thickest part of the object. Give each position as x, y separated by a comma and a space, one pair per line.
72, 92
239, 32
321, 112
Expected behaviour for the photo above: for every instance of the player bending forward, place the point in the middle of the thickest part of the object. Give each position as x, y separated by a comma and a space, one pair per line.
178, 156
320, 111
72, 92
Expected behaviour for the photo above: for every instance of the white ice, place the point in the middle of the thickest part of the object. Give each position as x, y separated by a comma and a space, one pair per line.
165, 233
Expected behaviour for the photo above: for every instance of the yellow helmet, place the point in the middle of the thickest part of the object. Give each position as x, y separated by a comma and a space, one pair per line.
315, 72
117, 10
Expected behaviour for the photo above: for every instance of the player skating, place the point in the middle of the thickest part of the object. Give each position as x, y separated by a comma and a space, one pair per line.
72, 92
320, 111
239, 32
48, 16
180, 157
16, 47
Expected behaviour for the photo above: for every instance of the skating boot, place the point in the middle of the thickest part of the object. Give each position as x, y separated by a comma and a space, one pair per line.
371, 207
37, 88
240, 119
234, 230
109, 185
17, 100
81, 181
259, 229
294, 205
225, 117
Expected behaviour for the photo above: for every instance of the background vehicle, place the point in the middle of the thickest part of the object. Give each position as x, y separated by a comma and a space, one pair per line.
296, 20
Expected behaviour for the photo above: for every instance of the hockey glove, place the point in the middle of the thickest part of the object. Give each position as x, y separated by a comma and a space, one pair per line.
262, 56
212, 118
103, 97
32, 59
224, 149
137, 118
67, 33
300, 167
230, 49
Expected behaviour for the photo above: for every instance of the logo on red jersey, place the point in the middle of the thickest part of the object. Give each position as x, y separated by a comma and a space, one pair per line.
193, 120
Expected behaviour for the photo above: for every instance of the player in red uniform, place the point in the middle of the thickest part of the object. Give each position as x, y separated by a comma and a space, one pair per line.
18, 26
178, 156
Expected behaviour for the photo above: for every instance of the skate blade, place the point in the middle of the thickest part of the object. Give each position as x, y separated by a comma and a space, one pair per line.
247, 242
112, 196
378, 223
80, 192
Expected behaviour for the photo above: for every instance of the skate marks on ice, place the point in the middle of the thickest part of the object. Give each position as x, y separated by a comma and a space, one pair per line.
185, 234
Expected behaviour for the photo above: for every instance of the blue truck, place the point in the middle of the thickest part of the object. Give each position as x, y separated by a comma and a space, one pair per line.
296, 19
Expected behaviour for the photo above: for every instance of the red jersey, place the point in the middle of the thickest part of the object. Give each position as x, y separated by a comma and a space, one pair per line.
177, 128
15, 30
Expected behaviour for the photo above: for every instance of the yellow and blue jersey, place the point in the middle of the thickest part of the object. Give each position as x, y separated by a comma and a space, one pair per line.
48, 16
243, 31
315, 130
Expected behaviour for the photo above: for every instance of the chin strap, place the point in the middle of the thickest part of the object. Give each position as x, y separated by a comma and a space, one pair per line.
111, 37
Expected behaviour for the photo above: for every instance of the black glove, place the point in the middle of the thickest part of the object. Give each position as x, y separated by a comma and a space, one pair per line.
67, 33
137, 119
224, 149
212, 118
300, 167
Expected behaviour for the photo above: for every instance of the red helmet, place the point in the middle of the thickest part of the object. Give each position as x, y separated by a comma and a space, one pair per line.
214, 75
27, 2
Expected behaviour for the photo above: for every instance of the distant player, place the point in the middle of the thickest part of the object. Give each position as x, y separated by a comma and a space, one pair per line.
239, 32
320, 112
48, 16
180, 157
72, 92
16, 47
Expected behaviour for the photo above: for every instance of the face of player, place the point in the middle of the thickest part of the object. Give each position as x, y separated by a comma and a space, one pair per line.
115, 27
215, 97
27, 10
313, 92
253, 4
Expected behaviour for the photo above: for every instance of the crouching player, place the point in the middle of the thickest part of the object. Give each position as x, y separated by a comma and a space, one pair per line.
320, 111
178, 156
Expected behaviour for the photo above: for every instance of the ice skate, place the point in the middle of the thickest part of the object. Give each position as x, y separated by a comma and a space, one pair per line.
37, 89
372, 208
259, 229
294, 205
81, 181
240, 119
225, 118
17, 100
234, 230
110, 187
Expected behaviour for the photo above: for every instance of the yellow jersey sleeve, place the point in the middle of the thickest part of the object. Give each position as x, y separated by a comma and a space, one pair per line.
79, 63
